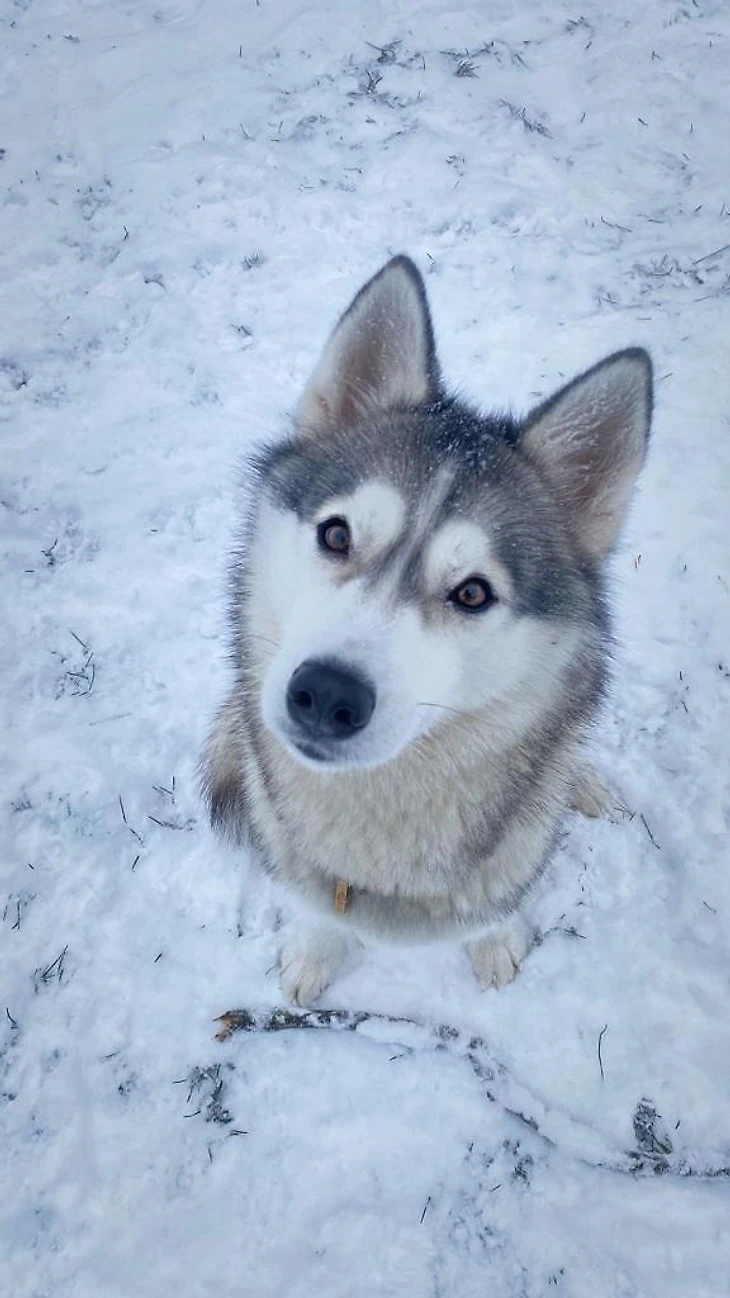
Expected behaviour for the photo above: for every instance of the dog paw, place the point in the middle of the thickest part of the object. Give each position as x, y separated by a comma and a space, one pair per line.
592, 798
309, 962
496, 957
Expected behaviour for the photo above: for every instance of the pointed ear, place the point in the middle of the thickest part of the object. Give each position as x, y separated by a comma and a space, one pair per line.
589, 442
381, 353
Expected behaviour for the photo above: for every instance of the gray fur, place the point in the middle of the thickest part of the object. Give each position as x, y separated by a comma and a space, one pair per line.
492, 479
453, 830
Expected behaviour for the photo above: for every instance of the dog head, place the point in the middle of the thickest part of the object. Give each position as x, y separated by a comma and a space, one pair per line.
410, 560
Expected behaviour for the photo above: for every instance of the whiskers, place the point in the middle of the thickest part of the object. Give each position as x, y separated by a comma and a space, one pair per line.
256, 635
467, 743
459, 712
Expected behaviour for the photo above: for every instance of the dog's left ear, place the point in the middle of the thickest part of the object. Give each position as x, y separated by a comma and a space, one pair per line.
381, 352
589, 443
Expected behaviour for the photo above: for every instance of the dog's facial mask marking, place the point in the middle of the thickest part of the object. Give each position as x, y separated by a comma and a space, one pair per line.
372, 518
361, 667
421, 560
345, 662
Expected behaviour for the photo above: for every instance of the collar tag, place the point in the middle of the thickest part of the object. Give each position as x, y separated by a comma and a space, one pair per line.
342, 896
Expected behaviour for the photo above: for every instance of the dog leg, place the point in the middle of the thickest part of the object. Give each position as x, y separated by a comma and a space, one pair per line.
496, 957
310, 959
222, 772
591, 797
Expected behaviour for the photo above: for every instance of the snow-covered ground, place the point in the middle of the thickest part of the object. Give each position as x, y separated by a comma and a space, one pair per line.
189, 194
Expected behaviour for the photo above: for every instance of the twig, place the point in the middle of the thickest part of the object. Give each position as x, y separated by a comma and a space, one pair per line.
56, 964
569, 930
600, 1060
425, 1210
129, 827
529, 123
164, 824
83, 677
697, 261
387, 53
556, 1128
54, 968
651, 836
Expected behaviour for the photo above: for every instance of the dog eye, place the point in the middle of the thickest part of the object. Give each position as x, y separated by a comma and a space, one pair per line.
473, 595
334, 535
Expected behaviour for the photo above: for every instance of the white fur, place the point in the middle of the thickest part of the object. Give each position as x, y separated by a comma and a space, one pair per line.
456, 662
497, 955
310, 960
375, 514
592, 798
461, 549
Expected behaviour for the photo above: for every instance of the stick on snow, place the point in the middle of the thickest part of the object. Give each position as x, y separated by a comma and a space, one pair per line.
554, 1126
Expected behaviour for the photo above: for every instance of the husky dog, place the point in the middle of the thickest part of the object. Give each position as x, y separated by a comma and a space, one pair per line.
420, 640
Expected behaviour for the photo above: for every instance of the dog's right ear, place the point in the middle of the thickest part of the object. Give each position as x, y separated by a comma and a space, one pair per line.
381, 353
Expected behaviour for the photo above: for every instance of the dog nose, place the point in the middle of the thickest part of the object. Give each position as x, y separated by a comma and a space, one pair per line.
328, 701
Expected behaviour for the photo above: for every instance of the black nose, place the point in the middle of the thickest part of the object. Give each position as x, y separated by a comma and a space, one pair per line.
328, 702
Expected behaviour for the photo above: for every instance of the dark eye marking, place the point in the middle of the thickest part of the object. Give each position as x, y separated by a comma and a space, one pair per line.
333, 535
473, 595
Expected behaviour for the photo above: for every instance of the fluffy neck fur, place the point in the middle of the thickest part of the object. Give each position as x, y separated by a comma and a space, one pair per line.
432, 835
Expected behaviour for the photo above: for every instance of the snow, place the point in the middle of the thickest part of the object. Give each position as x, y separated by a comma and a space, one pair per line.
189, 196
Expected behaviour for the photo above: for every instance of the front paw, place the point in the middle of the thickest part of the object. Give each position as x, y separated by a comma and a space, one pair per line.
496, 957
309, 962
591, 797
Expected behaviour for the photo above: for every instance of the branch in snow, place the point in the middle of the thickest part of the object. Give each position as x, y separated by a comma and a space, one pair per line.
654, 1155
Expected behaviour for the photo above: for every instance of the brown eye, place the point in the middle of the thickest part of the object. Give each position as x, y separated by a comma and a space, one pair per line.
473, 595
334, 535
